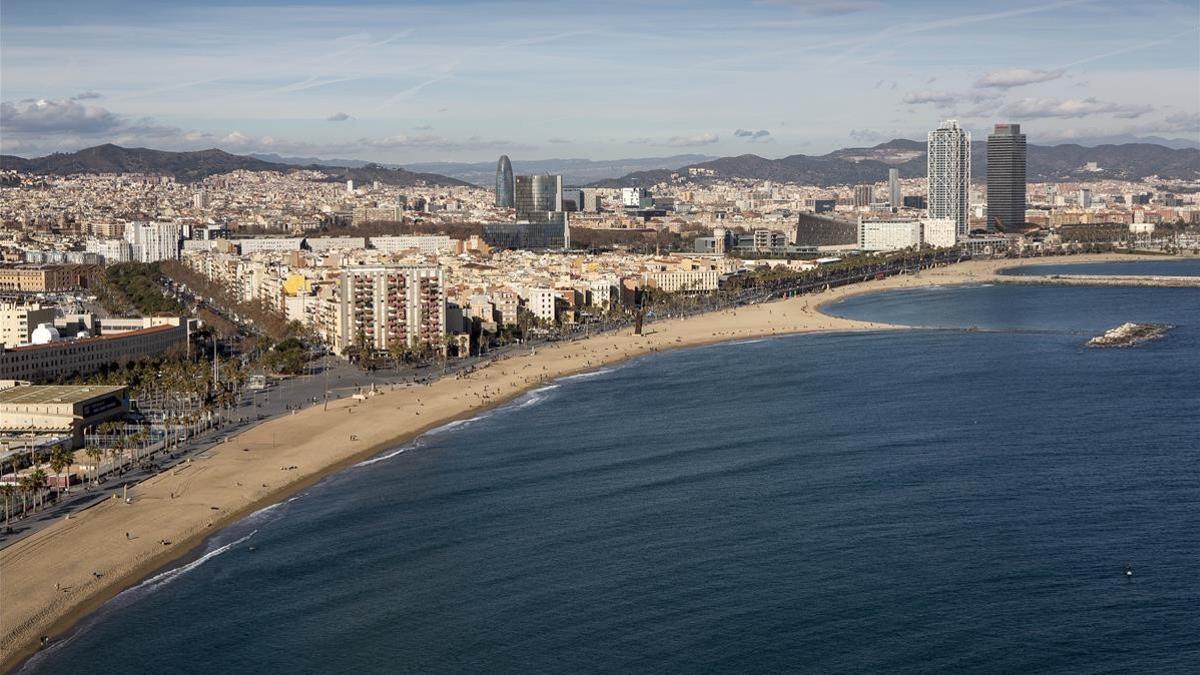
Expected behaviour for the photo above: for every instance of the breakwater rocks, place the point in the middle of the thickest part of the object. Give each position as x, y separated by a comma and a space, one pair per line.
1101, 280
1129, 334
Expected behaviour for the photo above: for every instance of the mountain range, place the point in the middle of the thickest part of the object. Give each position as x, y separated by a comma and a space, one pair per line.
1069, 162
574, 171
199, 164
1044, 163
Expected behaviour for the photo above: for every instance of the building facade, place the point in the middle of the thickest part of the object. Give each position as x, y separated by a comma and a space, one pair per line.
382, 307
536, 195
949, 149
1005, 178
88, 355
152, 242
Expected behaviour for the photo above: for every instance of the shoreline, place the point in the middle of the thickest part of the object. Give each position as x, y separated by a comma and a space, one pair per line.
314, 443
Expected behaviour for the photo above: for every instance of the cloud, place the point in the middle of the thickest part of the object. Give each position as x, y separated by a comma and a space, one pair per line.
939, 98
86, 95
1035, 108
423, 127
885, 84
43, 116
1016, 77
759, 135
558, 141
706, 138
337, 117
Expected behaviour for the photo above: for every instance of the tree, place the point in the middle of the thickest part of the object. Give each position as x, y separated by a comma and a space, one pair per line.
37, 481
95, 454
60, 459
8, 490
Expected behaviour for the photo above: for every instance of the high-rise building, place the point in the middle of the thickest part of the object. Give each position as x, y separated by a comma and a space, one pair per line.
504, 183
536, 195
383, 307
1085, 198
894, 188
863, 194
950, 174
152, 242
1005, 177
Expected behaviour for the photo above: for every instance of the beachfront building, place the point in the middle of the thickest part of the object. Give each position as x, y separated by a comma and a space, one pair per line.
384, 307
888, 235
1006, 178
29, 412
949, 150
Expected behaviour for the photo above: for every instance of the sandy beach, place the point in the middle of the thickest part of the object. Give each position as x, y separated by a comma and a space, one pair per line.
50, 580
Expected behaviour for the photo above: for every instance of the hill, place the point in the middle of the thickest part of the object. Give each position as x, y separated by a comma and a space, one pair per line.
199, 164
1128, 161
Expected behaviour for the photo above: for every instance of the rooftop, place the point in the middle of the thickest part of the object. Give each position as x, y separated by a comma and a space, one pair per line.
55, 393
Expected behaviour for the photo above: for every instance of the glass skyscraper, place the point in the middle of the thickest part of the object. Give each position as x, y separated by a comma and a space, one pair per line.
1006, 177
536, 196
504, 183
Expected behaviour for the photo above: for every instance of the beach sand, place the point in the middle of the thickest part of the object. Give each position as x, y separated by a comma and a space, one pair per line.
47, 580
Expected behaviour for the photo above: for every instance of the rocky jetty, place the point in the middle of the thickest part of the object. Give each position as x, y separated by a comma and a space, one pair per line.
1129, 334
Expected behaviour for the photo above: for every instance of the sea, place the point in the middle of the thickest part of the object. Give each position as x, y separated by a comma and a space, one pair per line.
967, 497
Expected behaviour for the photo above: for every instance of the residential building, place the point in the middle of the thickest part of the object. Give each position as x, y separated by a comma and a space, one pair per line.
382, 307
152, 242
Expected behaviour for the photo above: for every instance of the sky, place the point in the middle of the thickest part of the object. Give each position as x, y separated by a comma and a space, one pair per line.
455, 80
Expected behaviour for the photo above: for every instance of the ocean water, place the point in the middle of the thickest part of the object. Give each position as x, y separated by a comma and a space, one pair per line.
1183, 268
889, 501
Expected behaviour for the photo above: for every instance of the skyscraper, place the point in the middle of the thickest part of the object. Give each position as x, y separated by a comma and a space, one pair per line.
950, 175
537, 195
894, 188
1006, 177
504, 183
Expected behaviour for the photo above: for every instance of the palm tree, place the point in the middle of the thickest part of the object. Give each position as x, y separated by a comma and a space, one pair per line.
9, 491
61, 458
95, 454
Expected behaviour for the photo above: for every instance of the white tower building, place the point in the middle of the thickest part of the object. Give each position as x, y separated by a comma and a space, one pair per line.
950, 175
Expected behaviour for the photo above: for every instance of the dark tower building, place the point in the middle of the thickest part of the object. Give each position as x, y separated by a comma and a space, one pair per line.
1006, 177
504, 183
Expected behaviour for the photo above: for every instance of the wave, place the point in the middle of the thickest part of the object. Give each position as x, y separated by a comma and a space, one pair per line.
584, 376
385, 456
131, 595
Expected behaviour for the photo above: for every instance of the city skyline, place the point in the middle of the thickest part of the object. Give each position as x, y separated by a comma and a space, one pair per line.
460, 81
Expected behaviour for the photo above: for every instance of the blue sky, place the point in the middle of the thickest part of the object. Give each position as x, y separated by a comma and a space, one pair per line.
454, 80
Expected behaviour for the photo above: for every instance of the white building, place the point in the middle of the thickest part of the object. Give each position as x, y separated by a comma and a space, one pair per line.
632, 196
152, 242
940, 232
888, 235
112, 250
541, 303
248, 246
950, 175
322, 244
426, 244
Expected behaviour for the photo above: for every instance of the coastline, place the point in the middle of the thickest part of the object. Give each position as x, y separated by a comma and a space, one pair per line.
249, 471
